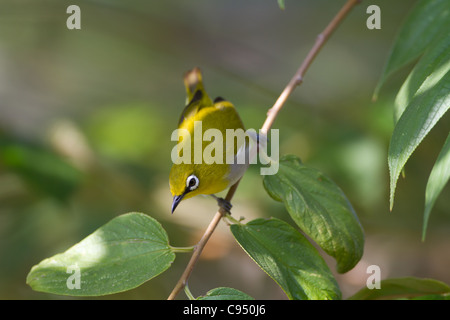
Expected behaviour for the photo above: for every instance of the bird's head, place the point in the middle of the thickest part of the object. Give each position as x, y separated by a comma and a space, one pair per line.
184, 184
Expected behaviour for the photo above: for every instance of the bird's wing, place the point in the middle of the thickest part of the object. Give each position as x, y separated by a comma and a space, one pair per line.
193, 107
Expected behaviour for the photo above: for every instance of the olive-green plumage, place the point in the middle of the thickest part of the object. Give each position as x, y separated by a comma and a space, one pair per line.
190, 179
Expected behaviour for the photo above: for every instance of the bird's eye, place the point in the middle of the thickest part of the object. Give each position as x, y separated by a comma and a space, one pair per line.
192, 182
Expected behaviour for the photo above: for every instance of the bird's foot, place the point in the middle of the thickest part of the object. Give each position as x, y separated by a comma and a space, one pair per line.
222, 203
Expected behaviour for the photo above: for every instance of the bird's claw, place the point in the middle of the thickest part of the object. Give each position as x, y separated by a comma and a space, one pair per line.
223, 203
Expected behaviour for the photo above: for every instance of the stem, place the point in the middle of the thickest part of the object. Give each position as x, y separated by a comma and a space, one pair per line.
200, 245
271, 115
188, 292
182, 249
297, 79
231, 219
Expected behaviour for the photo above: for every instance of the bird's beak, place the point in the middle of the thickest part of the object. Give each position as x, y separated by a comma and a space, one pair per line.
176, 201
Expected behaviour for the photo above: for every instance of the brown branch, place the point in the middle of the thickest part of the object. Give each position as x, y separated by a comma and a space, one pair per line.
296, 80
201, 244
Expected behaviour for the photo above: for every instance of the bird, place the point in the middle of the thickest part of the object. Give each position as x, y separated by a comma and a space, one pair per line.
192, 177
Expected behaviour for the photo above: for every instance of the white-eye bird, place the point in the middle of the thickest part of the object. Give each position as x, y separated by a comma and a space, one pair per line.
193, 178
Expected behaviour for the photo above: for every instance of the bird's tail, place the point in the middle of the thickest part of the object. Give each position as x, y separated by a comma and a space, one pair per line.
193, 83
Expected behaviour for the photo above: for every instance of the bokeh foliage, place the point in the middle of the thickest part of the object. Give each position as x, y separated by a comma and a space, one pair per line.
86, 117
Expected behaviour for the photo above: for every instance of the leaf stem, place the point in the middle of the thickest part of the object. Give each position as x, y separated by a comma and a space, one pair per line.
296, 80
188, 292
233, 220
182, 249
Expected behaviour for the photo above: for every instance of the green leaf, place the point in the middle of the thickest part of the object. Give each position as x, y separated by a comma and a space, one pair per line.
320, 208
43, 170
121, 255
423, 24
433, 297
439, 176
429, 104
223, 293
288, 258
409, 287
435, 58
281, 4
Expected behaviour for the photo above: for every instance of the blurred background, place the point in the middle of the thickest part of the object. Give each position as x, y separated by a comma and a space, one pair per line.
86, 117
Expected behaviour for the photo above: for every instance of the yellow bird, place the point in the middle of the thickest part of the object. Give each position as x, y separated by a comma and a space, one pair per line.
193, 177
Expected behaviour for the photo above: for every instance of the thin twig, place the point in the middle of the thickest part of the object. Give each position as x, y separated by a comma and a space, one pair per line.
201, 244
296, 80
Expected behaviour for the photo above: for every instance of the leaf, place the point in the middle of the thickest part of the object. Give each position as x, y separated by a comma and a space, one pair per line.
429, 104
433, 297
422, 25
121, 255
320, 208
223, 293
281, 4
288, 258
424, 97
409, 287
435, 57
43, 170
439, 176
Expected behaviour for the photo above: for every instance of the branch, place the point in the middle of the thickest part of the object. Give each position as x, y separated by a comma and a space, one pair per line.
296, 80
201, 244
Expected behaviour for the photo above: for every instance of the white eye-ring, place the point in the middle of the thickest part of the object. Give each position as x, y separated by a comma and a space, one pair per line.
192, 182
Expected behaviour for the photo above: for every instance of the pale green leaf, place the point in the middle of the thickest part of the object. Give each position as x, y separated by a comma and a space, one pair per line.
428, 105
435, 57
121, 255
426, 21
